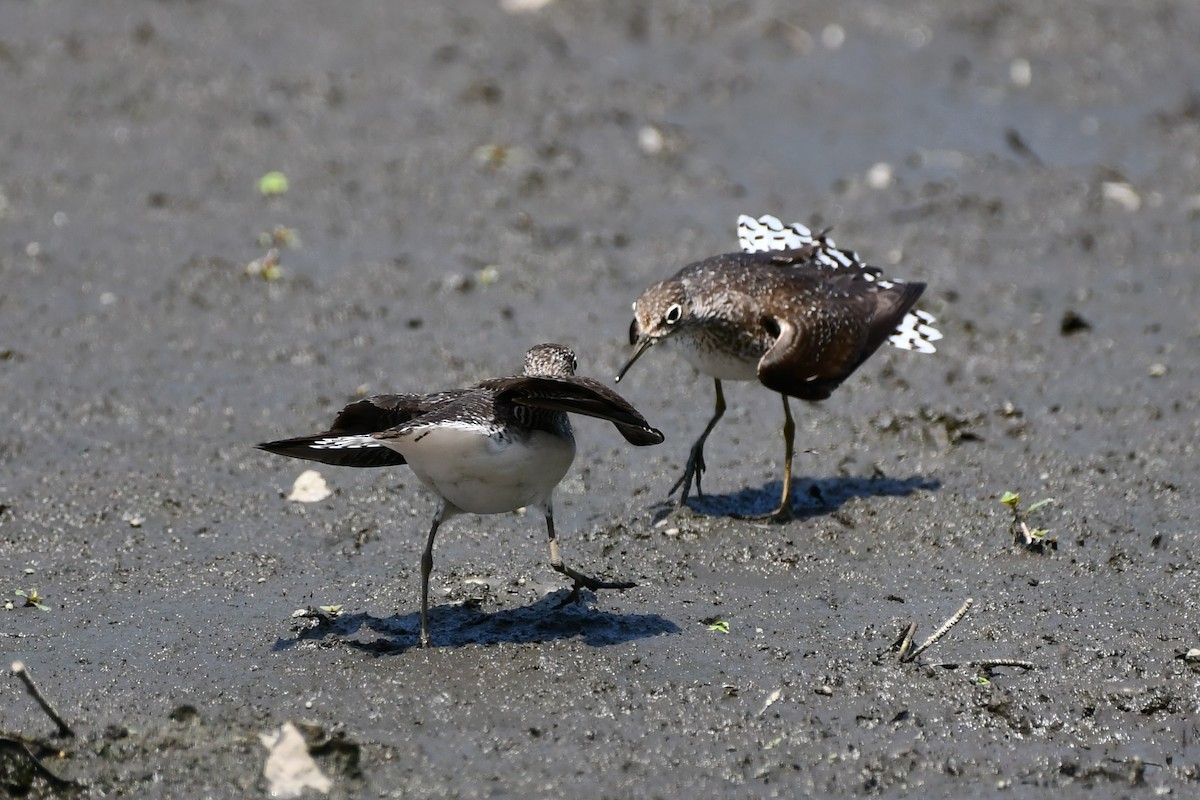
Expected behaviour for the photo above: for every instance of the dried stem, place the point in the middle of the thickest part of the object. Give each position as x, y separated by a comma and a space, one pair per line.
904, 641
988, 663
940, 632
22, 751
21, 672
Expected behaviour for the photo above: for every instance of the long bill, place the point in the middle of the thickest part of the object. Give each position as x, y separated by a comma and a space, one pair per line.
642, 345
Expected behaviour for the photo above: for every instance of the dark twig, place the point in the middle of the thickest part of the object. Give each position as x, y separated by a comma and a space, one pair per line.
21, 672
904, 640
903, 644
940, 632
20, 748
988, 663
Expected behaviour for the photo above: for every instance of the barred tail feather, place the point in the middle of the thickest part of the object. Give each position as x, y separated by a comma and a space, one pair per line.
342, 451
768, 233
916, 332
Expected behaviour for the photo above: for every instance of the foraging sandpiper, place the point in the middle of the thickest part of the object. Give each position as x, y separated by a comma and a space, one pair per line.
791, 310
500, 445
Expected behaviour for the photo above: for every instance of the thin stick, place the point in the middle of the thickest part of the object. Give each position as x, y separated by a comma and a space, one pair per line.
942, 631
21, 672
988, 663
21, 749
905, 640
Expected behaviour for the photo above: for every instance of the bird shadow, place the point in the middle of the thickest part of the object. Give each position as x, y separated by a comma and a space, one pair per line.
462, 624
814, 497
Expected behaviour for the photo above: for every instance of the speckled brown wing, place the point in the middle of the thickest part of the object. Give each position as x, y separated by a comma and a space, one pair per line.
828, 329
378, 413
577, 395
348, 442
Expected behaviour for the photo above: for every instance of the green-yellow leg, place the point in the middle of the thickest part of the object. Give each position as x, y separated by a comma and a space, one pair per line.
784, 512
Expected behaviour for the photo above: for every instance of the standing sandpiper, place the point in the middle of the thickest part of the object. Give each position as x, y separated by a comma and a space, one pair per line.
500, 445
791, 310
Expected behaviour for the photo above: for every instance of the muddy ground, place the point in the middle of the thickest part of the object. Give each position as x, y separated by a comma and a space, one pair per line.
465, 181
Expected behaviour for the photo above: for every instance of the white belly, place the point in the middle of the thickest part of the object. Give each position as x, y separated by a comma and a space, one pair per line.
718, 363
482, 474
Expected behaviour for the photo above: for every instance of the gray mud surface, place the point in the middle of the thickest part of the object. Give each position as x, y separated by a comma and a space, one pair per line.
465, 182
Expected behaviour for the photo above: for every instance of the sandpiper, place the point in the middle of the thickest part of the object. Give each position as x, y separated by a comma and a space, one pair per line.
500, 445
791, 310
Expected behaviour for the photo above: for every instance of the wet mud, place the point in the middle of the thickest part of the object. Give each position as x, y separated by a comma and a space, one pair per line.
465, 180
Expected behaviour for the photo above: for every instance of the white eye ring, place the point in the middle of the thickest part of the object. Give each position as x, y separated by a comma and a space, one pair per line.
574, 364
673, 314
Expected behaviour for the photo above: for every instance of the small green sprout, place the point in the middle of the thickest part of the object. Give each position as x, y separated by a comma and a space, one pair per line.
488, 275
279, 236
332, 611
266, 267
982, 680
273, 183
1039, 504
492, 156
1035, 539
32, 599
720, 626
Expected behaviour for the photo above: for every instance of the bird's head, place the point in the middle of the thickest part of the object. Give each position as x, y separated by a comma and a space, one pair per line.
662, 311
551, 361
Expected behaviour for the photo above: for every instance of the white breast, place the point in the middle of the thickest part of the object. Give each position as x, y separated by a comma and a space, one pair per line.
484, 474
714, 361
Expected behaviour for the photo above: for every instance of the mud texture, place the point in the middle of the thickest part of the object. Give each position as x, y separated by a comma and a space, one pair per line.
466, 181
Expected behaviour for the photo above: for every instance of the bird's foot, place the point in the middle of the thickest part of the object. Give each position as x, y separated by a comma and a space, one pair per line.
587, 582
779, 516
692, 472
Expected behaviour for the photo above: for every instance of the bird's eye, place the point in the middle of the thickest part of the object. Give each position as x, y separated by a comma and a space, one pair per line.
574, 364
673, 314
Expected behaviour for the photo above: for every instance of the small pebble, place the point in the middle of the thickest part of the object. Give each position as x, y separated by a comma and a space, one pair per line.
309, 487
880, 176
523, 6
1020, 72
651, 140
833, 37
1121, 194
